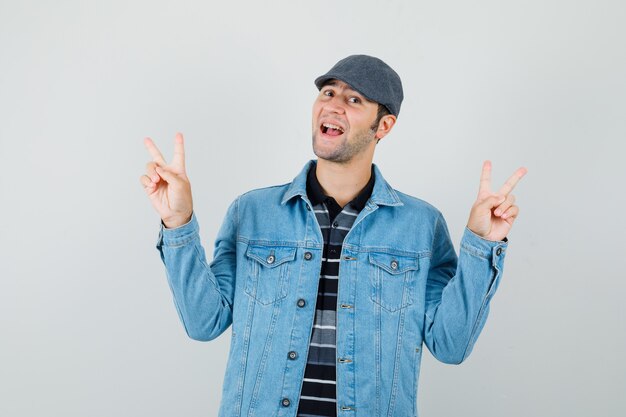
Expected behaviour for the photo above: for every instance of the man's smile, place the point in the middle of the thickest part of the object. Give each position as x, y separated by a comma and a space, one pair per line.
331, 129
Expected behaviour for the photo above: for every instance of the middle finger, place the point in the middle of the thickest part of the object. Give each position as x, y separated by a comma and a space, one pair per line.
512, 181
157, 156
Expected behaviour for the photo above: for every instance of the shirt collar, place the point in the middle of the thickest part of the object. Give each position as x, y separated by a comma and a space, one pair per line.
316, 194
382, 194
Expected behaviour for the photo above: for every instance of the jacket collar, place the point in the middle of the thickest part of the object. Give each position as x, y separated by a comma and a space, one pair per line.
382, 194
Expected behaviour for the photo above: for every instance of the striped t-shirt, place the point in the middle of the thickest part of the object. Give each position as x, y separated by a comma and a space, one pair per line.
318, 396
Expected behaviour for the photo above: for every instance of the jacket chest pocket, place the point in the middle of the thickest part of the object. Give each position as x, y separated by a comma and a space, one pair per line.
268, 272
392, 280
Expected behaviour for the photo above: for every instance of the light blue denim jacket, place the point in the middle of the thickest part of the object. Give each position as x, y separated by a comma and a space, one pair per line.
401, 285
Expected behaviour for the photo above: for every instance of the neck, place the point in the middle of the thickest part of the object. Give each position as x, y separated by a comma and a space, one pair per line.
343, 181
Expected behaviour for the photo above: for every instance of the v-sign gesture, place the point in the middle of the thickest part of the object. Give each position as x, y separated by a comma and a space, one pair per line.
493, 214
167, 185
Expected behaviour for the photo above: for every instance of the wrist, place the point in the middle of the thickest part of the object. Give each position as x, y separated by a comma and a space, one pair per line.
174, 222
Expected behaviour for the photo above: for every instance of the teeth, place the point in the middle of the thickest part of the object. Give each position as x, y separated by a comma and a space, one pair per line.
332, 126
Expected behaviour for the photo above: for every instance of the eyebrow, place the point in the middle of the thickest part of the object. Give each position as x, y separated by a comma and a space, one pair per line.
334, 84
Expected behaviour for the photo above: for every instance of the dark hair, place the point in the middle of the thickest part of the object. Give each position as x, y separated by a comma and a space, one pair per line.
382, 111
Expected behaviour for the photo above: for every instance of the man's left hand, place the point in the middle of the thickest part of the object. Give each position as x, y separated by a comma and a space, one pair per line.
493, 214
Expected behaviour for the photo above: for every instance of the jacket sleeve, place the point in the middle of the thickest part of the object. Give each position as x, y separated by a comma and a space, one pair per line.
203, 294
458, 291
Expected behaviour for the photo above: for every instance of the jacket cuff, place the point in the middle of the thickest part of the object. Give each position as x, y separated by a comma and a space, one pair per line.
180, 235
483, 248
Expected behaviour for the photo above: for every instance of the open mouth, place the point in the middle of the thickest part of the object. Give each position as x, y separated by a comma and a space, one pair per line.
331, 129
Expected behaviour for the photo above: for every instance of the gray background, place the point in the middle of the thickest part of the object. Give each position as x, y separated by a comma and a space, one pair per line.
87, 322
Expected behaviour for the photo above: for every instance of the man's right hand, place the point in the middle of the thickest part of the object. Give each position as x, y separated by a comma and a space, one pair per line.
167, 186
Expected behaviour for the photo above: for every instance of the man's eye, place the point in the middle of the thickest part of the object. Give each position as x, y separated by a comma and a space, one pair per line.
328, 93
355, 100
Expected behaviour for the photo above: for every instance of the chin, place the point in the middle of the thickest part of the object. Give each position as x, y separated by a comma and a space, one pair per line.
321, 151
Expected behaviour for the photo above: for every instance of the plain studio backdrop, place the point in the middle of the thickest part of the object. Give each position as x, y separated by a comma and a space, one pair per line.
87, 322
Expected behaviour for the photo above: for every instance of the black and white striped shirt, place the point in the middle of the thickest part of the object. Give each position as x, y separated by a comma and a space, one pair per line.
318, 396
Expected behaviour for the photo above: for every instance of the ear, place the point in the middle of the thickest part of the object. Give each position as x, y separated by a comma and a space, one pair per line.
385, 125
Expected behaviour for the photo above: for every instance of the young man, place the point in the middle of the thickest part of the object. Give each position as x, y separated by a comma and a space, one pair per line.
333, 282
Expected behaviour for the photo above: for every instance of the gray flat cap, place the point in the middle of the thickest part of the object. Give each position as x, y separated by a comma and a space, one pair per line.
369, 76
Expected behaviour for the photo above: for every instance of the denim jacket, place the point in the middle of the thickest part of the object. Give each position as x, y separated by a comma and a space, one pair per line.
401, 286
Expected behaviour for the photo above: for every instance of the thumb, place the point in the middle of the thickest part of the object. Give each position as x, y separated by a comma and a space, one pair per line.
493, 201
166, 175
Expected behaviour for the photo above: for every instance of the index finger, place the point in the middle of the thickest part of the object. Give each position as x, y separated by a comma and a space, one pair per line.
179, 151
485, 178
154, 151
512, 181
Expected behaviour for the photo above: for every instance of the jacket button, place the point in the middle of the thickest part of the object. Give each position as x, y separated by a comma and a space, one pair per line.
285, 402
308, 255
394, 265
335, 224
301, 303
498, 251
293, 355
270, 259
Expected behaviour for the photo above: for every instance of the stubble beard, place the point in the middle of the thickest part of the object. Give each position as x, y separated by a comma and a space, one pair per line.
346, 149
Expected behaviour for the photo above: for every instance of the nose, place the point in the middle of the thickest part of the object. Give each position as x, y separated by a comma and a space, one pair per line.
335, 104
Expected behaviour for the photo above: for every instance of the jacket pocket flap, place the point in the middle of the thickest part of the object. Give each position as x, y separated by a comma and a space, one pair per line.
271, 256
394, 264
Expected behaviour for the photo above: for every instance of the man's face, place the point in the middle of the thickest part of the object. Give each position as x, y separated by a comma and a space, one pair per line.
341, 122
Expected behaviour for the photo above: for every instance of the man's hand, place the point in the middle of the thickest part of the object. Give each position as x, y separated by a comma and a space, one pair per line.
493, 214
167, 185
